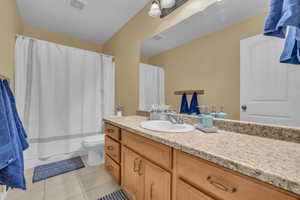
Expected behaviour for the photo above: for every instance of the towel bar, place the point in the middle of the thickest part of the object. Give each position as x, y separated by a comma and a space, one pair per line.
189, 92
4, 78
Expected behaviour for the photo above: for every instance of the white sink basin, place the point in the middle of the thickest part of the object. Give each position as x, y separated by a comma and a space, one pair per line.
166, 126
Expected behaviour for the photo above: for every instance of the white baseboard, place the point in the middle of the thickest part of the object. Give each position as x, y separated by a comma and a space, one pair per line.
3, 194
34, 162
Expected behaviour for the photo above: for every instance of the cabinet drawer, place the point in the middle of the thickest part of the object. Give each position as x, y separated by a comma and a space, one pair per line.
185, 191
222, 183
112, 131
112, 168
156, 152
113, 149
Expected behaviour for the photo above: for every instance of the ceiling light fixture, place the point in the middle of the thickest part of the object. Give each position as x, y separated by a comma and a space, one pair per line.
167, 3
155, 10
78, 4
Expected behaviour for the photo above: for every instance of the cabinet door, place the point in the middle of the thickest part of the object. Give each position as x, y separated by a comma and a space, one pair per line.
157, 182
132, 180
185, 191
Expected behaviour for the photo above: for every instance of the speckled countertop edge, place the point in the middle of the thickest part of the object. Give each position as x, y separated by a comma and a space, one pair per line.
264, 176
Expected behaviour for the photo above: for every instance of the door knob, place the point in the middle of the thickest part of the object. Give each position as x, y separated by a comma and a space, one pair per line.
244, 107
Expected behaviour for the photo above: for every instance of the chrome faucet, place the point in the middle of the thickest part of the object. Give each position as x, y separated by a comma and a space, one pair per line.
175, 118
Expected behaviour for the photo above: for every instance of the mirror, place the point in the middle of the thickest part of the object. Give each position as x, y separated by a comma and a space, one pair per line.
221, 51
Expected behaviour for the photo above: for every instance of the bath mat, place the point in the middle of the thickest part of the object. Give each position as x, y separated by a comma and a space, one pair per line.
118, 195
57, 168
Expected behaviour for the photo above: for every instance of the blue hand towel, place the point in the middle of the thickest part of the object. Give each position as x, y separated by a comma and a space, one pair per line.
194, 107
12, 175
184, 108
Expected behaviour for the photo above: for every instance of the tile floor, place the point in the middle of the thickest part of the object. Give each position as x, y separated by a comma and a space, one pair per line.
89, 183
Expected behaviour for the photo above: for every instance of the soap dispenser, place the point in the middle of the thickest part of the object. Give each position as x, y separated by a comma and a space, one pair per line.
206, 121
206, 118
213, 111
221, 114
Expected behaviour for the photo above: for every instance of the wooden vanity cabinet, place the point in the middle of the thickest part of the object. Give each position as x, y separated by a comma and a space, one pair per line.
132, 182
112, 131
112, 168
113, 151
185, 191
143, 180
223, 183
150, 170
157, 182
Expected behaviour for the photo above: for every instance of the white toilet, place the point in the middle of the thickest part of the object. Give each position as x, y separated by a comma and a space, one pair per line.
95, 147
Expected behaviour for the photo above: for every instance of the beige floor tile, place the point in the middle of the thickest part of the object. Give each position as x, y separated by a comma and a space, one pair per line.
34, 192
89, 169
94, 179
61, 179
78, 197
84, 159
62, 187
29, 172
89, 183
102, 190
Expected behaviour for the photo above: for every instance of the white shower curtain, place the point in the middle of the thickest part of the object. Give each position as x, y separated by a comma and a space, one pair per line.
62, 94
151, 86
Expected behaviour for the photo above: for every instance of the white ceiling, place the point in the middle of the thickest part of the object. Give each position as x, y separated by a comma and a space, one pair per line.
214, 18
97, 22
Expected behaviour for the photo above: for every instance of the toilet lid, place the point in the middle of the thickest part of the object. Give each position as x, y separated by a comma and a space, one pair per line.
95, 139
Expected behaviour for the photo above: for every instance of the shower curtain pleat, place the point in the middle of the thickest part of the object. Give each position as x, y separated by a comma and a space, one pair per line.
151, 86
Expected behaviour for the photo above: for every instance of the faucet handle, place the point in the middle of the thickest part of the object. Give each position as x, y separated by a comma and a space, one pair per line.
180, 119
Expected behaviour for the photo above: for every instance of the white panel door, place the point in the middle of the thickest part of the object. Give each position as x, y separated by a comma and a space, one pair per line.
270, 90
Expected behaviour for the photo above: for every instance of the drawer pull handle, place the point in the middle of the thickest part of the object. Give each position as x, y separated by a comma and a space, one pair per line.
220, 186
151, 191
110, 148
110, 130
140, 170
135, 165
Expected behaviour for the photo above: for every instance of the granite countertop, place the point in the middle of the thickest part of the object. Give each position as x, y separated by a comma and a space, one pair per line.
272, 161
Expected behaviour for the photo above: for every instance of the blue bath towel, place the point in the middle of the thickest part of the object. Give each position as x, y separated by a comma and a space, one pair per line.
284, 14
20, 128
291, 52
273, 18
184, 108
12, 174
194, 107
7, 155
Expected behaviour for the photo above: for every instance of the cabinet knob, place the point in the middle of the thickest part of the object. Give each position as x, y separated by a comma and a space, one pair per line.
110, 130
110, 148
109, 167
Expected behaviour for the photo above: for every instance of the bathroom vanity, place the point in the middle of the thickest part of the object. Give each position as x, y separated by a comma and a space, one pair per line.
196, 166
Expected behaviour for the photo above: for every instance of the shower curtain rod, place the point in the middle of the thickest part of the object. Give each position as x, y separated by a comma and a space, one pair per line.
18, 35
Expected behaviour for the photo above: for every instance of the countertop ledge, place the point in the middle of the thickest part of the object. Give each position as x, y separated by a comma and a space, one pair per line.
271, 161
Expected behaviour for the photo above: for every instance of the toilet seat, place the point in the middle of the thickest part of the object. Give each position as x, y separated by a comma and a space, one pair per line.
94, 140
94, 145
